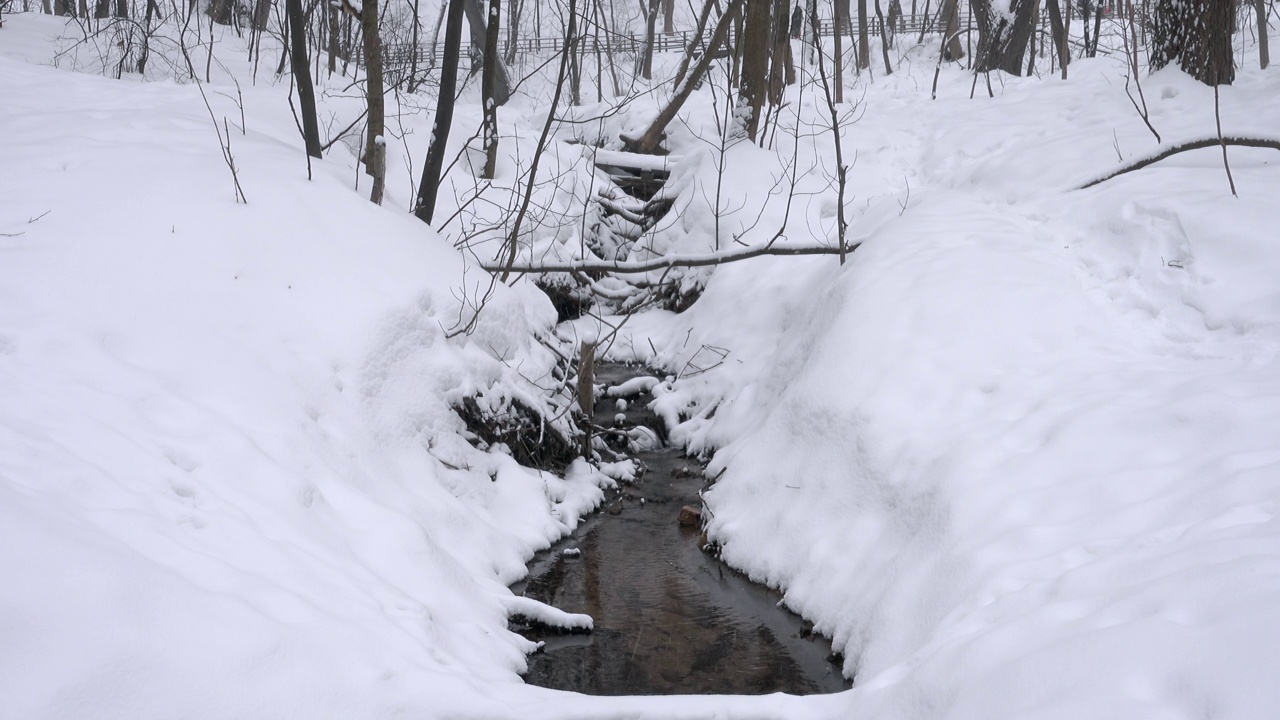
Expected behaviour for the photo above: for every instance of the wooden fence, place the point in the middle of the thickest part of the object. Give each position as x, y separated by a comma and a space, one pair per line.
402, 55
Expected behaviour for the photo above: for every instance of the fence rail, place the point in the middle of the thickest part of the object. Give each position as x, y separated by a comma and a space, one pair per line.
403, 54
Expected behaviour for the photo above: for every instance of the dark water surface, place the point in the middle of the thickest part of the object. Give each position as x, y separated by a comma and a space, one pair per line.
669, 618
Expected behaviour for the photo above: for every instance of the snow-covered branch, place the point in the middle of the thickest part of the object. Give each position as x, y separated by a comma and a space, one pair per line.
670, 261
1159, 155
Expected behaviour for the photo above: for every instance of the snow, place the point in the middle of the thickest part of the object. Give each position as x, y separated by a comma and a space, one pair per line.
545, 614
1017, 455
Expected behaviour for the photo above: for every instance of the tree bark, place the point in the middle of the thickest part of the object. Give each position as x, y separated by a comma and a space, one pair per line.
864, 42
696, 42
479, 33
650, 34
488, 91
884, 39
1058, 30
952, 50
376, 123
1264, 52
781, 55
1196, 34
301, 68
335, 29
1001, 43
668, 16
425, 207
755, 62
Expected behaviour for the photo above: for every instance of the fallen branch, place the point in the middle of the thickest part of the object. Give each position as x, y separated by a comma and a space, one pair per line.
672, 261
1181, 148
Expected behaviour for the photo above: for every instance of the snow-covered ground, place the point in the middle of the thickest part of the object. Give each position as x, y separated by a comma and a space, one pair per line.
1020, 455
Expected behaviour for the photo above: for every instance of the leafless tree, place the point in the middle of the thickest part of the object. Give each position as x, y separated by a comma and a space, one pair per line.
425, 205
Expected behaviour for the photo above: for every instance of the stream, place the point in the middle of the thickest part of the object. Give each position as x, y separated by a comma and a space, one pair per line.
669, 618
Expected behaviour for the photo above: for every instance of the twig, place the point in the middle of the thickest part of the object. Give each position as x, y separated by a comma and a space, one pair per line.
1217, 117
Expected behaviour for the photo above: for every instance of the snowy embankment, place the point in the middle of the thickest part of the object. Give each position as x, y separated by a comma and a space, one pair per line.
230, 482
1020, 456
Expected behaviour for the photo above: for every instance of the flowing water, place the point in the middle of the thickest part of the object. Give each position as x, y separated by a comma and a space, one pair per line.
669, 618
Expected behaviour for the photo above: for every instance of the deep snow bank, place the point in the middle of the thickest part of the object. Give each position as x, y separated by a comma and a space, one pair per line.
1019, 456
230, 483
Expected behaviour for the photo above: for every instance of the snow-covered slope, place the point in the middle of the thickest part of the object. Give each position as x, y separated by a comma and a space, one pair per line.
1021, 455
230, 484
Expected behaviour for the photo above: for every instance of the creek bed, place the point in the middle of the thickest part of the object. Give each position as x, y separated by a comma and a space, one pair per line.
669, 618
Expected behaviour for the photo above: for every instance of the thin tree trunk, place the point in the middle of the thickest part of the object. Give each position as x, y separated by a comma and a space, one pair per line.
425, 206
650, 33
952, 50
1264, 52
475, 18
334, 31
884, 40
781, 60
302, 76
1058, 31
415, 47
488, 90
376, 123
514, 8
864, 42
837, 46
435, 34
692, 48
755, 62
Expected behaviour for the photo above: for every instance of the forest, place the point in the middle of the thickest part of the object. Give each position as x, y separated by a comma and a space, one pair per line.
639, 359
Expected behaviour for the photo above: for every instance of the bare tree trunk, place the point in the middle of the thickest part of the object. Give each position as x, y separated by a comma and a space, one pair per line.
884, 40
334, 30
692, 48
1001, 43
376, 122
488, 88
1264, 52
425, 206
668, 16
435, 34
301, 68
608, 48
837, 46
514, 8
261, 14
841, 170
1197, 35
755, 62
952, 50
781, 60
864, 43
1031, 49
575, 70
475, 18
650, 33
1058, 29
414, 46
